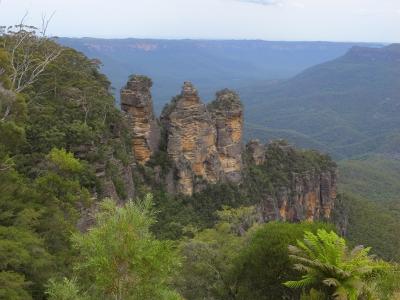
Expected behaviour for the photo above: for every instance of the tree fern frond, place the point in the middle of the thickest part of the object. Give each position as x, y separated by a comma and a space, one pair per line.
326, 261
331, 282
302, 268
306, 281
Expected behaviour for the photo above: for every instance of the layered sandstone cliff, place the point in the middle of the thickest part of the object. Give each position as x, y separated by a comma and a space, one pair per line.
309, 196
136, 101
302, 190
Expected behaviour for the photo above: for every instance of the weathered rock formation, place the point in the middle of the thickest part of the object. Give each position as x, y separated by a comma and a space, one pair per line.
136, 101
308, 197
200, 145
256, 152
306, 192
191, 140
227, 111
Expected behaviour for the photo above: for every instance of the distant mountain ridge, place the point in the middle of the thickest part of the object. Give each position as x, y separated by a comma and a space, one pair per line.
347, 107
210, 64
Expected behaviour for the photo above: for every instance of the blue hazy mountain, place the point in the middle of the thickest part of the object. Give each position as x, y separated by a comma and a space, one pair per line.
347, 107
210, 64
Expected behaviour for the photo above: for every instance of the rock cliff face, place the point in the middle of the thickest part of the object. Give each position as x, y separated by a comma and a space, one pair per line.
308, 197
191, 140
307, 193
202, 144
136, 101
227, 111
256, 152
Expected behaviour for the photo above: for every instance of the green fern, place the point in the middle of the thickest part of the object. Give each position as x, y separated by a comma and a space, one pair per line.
331, 267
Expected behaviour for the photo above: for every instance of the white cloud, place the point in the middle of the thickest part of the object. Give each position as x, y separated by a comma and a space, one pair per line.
299, 4
262, 2
334, 20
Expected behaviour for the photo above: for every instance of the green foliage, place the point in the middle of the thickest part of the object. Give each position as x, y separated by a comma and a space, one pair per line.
64, 290
46, 124
264, 263
13, 286
370, 198
370, 223
112, 171
240, 259
240, 219
36, 220
25, 260
5, 65
208, 270
143, 78
332, 268
208, 262
280, 154
374, 177
120, 259
160, 158
65, 161
178, 212
22, 249
13, 134
312, 295
388, 284
226, 99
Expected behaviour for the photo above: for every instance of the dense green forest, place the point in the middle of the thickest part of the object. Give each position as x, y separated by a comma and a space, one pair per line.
370, 189
375, 177
53, 102
63, 143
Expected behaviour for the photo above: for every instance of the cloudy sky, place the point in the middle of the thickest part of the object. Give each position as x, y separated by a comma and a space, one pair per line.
332, 20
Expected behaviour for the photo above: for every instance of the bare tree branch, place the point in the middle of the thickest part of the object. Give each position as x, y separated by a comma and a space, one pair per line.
29, 54
45, 23
22, 22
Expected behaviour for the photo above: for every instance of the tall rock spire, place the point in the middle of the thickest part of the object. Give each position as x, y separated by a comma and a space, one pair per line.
191, 140
227, 111
136, 101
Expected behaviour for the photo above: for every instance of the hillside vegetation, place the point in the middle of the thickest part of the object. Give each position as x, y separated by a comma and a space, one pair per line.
58, 127
370, 189
374, 177
347, 107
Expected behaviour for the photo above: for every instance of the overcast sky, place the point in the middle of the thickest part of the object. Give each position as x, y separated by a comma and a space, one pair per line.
328, 20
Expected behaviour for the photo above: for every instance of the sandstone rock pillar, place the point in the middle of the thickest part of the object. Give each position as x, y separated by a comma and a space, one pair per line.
191, 139
136, 101
227, 111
